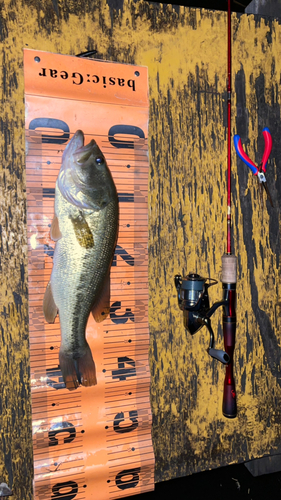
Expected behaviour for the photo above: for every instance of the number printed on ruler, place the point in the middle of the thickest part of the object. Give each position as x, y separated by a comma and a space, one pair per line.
93, 442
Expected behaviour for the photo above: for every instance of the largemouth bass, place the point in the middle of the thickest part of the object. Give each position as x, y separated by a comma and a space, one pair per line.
85, 228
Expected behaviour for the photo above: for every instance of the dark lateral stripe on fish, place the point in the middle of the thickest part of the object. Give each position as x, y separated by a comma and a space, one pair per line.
129, 259
122, 197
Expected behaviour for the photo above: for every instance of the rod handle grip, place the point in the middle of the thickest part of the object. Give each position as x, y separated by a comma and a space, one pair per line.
229, 406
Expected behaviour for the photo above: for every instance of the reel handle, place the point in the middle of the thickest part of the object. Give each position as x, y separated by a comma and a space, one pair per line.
220, 355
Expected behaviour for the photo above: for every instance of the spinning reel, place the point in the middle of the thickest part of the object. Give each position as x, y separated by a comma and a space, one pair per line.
193, 300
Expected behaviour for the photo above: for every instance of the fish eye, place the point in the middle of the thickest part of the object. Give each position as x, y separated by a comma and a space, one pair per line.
99, 160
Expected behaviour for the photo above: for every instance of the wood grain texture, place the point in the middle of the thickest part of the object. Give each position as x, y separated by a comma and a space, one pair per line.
185, 51
15, 416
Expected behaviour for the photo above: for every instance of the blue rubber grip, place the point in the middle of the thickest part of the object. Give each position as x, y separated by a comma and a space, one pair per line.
242, 155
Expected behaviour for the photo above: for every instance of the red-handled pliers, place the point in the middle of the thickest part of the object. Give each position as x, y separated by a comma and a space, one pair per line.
259, 171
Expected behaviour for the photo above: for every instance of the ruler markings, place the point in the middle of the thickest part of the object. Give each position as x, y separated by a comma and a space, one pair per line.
123, 440
61, 397
118, 391
143, 489
66, 464
43, 465
77, 443
74, 475
113, 358
124, 406
141, 389
132, 461
140, 399
52, 413
69, 415
136, 441
141, 430
62, 476
43, 453
109, 391
132, 190
142, 463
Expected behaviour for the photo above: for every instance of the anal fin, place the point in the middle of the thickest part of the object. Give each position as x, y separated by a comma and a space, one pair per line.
50, 309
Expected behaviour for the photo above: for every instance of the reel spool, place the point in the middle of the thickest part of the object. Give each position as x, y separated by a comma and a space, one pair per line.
193, 300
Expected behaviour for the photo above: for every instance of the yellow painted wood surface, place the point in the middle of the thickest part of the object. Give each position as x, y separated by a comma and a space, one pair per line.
185, 51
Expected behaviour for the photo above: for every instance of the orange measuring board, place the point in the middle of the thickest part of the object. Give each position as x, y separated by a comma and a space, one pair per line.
92, 442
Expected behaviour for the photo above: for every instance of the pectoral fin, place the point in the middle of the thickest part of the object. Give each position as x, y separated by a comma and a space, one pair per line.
55, 229
50, 309
82, 231
101, 309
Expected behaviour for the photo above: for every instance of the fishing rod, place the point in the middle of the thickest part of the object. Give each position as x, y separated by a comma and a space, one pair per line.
192, 290
229, 264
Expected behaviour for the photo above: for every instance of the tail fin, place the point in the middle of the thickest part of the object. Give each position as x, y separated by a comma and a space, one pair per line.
86, 369
78, 371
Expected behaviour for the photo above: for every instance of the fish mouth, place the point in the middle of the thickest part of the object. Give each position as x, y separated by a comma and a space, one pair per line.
76, 143
77, 140
77, 149
70, 180
82, 154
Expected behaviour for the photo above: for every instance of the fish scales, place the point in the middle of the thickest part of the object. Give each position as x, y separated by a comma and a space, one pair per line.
83, 272
86, 228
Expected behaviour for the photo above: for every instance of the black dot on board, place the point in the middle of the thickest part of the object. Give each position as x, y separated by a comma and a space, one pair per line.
55, 463
128, 166
84, 486
137, 73
129, 340
128, 225
52, 347
108, 481
48, 162
128, 283
133, 449
104, 370
53, 404
130, 393
82, 432
106, 427
37, 59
